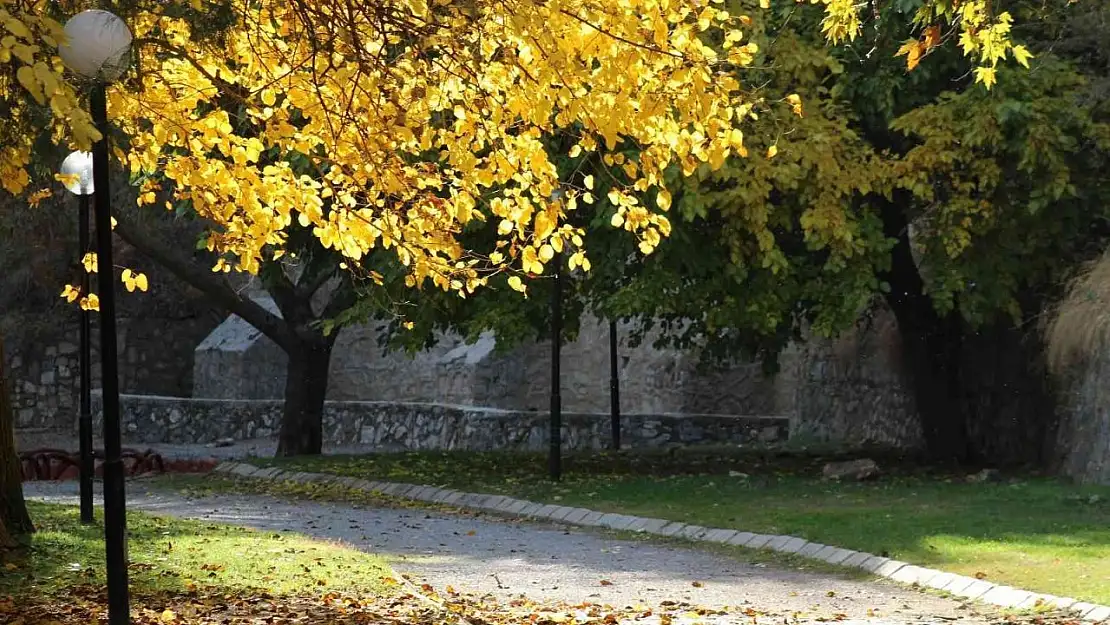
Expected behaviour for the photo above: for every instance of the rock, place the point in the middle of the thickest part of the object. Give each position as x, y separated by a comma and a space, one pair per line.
738, 474
858, 470
223, 442
984, 476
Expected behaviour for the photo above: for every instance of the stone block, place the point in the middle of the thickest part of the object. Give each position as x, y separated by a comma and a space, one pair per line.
244, 470
576, 515
225, 467
1062, 603
939, 581
493, 502
959, 584
1082, 608
976, 590
653, 526
777, 543
826, 552
758, 541
546, 511
592, 518
1035, 600
1099, 614
857, 559
674, 528
532, 509
629, 523
561, 513
810, 550
517, 506
692, 532
889, 568
741, 539
1005, 596
719, 535
838, 556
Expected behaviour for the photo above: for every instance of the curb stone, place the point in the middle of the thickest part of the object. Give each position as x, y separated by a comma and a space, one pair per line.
902, 572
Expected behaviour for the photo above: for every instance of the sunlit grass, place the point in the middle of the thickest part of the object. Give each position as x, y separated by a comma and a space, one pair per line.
173, 555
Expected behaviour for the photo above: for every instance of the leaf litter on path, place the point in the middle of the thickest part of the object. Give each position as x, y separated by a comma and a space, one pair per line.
213, 606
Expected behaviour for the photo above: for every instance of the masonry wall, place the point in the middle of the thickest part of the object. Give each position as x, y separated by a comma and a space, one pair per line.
852, 390
398, 426
236, 361
155, 356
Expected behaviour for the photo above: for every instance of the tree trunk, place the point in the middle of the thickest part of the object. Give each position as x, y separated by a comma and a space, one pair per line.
13, 509
930, 347
306, 385
982, 394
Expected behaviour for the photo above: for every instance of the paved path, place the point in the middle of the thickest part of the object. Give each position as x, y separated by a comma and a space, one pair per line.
483, 555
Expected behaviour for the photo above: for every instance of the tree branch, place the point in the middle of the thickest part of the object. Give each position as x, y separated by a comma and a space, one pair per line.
188, 271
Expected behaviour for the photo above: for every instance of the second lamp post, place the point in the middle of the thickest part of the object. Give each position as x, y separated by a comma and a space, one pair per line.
99, 50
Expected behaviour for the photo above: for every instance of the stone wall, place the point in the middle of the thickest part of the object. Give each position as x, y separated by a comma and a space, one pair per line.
852, 391
236, 361
391, 426
1083, 438
155, 356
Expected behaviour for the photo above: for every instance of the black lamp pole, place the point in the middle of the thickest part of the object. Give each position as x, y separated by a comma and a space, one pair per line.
84, 421
115, 513
614, 388
555, 453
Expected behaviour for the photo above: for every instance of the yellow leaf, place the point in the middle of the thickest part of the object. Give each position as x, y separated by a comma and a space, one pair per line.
1022, 55
985, 75
89, 261
168, 616
516, 284
663, 199
589, 182
764, 4
772, 151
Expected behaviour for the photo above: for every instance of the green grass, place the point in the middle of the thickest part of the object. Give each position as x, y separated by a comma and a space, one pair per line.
1028, 531
172, 556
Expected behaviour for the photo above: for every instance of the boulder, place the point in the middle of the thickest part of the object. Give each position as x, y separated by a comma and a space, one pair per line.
858, 470
984, 476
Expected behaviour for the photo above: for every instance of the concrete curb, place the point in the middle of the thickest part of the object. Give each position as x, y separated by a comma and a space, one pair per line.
902, 572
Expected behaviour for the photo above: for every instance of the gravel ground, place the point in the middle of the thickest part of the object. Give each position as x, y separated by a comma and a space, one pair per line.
549, 563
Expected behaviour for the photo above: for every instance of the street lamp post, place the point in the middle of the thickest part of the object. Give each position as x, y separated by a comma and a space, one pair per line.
80, 164
98, 50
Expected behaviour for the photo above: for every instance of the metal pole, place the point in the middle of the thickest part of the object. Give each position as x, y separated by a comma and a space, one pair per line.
555, 454
614, 387
115, 513
84, 421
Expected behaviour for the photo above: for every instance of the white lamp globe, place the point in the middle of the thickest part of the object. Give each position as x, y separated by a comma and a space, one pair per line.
99, 45
79, 164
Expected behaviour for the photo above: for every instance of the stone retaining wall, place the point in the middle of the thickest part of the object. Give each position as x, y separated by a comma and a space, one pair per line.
391, 426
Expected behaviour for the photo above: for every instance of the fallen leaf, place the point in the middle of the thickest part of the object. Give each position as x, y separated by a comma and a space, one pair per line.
697, 584
168, 616
606, 582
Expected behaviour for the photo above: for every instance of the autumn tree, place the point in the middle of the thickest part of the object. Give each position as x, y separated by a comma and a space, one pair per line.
404, 126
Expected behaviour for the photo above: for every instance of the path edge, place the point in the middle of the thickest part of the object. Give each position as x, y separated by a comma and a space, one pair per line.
895, 570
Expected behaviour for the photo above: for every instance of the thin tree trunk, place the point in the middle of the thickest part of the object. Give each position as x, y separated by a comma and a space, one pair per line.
306, 386
13, 509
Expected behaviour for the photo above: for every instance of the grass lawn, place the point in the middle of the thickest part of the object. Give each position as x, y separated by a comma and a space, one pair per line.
1027, 531
182, 566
